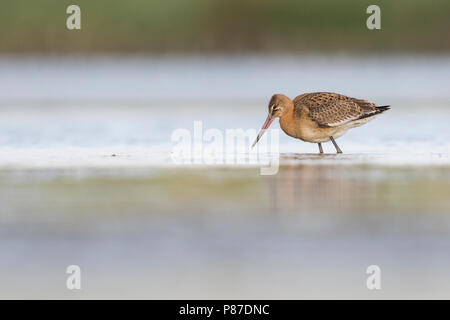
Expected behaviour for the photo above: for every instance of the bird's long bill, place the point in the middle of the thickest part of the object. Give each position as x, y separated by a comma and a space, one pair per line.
263, 129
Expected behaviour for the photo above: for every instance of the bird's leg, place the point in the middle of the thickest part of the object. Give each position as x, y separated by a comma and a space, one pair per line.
338, 150
320, 147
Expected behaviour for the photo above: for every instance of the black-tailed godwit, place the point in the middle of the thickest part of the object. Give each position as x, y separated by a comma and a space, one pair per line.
320, 116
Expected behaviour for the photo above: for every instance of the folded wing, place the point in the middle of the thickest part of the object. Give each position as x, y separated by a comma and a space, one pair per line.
332, 109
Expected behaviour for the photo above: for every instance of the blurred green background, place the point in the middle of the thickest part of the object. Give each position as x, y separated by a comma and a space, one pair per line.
228, 26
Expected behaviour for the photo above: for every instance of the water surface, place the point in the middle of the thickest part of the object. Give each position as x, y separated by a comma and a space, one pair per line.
87, 177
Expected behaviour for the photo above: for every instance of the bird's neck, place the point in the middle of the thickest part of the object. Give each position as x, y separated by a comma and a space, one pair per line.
287, 118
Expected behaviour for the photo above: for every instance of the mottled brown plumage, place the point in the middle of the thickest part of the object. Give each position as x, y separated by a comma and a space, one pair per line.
333, 109
319, 116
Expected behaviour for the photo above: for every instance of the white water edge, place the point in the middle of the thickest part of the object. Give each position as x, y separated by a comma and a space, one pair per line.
134, 137
141, 157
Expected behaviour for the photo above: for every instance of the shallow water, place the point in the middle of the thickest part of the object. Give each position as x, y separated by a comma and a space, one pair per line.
78, 111
137, 136
309, 231
87, 177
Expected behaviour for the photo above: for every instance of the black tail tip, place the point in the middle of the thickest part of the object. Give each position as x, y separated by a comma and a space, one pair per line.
383, 108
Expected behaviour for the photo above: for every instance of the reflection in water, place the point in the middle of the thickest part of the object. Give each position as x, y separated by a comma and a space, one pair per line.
221, 233
359, 189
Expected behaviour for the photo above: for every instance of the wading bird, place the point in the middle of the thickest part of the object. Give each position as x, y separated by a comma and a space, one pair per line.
319, 116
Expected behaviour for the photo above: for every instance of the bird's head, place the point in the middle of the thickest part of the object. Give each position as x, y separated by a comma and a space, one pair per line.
278, 106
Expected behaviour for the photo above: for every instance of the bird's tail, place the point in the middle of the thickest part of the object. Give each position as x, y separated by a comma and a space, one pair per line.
381, 109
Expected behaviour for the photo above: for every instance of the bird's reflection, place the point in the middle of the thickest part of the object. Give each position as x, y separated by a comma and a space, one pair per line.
298, 188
